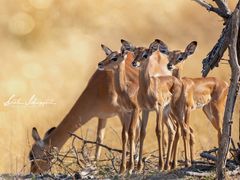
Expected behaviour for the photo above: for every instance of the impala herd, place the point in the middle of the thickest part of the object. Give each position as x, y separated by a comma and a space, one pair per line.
130, 83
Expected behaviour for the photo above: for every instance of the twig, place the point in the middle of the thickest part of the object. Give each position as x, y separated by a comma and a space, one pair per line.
93, 142
222, 5
197, 174
76, 153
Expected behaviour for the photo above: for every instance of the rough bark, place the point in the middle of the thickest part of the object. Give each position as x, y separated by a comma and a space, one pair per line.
232, 95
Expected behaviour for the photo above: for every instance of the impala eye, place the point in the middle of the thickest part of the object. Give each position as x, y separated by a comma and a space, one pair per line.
114, 59
164, 51
145, 55
180, 58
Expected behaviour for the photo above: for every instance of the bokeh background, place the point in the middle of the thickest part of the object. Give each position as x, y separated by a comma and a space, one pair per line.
50, 48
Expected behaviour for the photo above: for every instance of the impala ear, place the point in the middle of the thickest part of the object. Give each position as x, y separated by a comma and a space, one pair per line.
107, 50
190, 49
127, 46
159, 45
49, 132
35, 135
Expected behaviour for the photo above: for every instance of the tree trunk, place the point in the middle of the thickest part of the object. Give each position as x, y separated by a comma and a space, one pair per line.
232, 95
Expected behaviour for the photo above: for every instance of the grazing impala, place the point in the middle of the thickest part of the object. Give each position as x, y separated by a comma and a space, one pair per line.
157, 94
207, 93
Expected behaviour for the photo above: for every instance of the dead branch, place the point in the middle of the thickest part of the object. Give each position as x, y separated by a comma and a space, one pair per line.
96, 143
210, 7
214, 56
222, 5
197, 174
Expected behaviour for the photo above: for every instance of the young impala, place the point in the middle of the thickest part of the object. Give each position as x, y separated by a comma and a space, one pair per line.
160, 94
207, 93
126, 97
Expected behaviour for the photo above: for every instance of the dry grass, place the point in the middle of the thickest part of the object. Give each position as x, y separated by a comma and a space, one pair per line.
50, 48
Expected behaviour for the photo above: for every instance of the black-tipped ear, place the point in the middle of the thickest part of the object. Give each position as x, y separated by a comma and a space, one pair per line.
190, 49
158, 45
106, 49
35, 135
154, 46
127, 46
163, 48
49, 132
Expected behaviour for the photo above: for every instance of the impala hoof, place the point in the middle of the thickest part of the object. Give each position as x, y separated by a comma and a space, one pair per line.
187, 164
160, 167
140, 167
122, 170
166, 167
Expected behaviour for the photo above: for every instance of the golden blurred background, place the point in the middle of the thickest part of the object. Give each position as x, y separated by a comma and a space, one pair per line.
50, 49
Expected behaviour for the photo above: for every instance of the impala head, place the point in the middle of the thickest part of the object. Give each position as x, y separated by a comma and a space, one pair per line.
143, 54
114, 58
40, 159
176, 57
140, 58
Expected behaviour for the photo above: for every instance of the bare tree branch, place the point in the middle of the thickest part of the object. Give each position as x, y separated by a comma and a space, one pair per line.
93, 142
214, 56
222, 5
210, 7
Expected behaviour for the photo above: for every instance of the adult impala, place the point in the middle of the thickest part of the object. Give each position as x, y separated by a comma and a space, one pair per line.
207, 93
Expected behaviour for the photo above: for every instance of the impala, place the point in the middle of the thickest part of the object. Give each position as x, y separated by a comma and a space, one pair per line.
207, 93
126, 97
160, 94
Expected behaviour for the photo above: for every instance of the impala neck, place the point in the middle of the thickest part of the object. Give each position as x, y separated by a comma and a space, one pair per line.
144, 76
178, 71
120, 78
80, 113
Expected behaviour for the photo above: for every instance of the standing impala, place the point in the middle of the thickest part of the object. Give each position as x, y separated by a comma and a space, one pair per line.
207, 93
157, 94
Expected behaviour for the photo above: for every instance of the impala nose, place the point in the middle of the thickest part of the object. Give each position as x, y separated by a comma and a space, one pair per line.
100, 66
134, 64
169, 66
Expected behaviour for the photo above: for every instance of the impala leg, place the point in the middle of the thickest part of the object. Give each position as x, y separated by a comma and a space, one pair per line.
213, 114
159, 137
174, 153
137, 138
100, 136
218, 117
185, 136
191, 135
126, 123
192, 144
164, 137
142, 137
171, 135
132, 134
